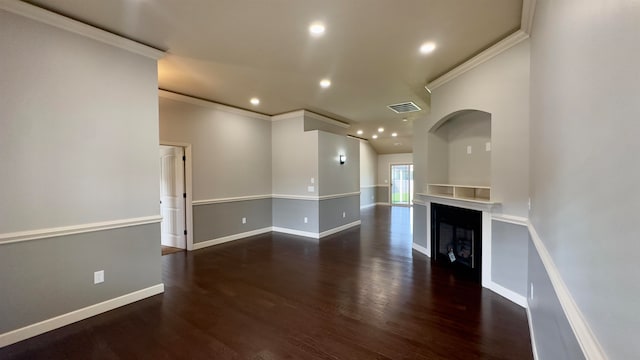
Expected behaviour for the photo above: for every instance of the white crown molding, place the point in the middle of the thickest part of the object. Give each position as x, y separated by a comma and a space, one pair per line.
326, 119
224, 239
495, 50
210, 104
56, 20
19, 236
528, 13
588, 342
230, 199
289, 115
421, 249
42, 327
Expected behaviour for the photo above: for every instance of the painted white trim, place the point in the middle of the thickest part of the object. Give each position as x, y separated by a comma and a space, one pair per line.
509, 294
367, 206
337, 196
368, 186
528, 13
210, 104
532, 334
188, 183
42, 327
488, 54
325, 119
340, 228
383, 203
295, 197
511, 219
487, 242
584, 335
230, 199
382, 185
461, 203
419, 202
76, 229
288, 115
308, 234
62, 22
421, 249
224, 239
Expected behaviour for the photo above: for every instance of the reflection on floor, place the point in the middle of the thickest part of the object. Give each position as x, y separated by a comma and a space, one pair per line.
166, 250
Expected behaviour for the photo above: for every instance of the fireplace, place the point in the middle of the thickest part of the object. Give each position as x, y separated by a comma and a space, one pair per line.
456, 239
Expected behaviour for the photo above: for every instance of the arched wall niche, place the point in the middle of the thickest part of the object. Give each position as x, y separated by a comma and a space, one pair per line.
459, 149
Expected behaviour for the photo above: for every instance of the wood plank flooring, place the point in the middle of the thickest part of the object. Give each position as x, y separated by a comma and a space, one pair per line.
358, 294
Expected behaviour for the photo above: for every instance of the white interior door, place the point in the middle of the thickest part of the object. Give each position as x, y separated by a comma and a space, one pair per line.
172, 201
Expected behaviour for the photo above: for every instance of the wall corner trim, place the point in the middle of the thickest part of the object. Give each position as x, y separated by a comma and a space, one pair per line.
584, 335
528, 13
488, 54
62, 22
42, 327
421, 249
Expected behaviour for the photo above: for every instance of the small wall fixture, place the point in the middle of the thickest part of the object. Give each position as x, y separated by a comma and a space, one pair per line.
342, 159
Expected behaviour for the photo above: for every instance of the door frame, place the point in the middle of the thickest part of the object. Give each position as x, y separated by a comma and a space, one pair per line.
188, 188
391, 164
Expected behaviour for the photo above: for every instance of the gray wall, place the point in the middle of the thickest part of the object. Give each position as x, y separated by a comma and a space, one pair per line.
290, 214
331, 212
368, 173
384, 165
553, 335
294, 157
382, 194
231, 150
584, 158
420, 225
213, 221
367, 196
334, 178
42, 279
469, 129
509, 254
79, 136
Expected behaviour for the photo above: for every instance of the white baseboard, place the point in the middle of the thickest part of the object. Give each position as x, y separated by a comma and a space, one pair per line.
421, 249
367, 206
340, 228
383, 203
308, 234
42, 327
207, 243
531, 335
508, 294
314, 235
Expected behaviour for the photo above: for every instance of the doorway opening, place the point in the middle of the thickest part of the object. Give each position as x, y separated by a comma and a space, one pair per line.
173, 199
401, 184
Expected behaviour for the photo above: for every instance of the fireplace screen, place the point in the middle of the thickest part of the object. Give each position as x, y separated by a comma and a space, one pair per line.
457, 243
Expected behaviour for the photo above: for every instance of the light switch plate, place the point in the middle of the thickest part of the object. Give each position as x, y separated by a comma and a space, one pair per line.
244, 220
487, 146
313, 180
469, 149
306, 219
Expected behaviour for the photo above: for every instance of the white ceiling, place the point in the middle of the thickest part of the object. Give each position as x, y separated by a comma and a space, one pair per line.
228, 51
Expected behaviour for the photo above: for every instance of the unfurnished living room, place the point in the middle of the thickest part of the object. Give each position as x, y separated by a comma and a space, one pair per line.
296, 179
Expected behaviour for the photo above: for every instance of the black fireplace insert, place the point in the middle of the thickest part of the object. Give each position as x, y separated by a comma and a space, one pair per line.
456, 239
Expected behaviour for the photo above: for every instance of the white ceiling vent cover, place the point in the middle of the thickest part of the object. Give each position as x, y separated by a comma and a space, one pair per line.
404, 107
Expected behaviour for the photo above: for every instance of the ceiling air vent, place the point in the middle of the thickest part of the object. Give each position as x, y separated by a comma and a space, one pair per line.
404, 107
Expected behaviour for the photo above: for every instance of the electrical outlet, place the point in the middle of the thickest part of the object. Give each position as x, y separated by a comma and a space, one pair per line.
311, 188
98, 277
244, 220
306, 219
344, 214
529, 204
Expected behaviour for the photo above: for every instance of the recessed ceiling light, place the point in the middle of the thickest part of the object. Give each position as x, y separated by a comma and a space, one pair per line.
394, 134
359, 132
325, 83
374, 136
380, 129
316, 28
255, 101
427, 47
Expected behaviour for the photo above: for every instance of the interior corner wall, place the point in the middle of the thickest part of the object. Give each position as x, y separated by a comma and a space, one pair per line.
231, 160
79, 142
584, 162
499, 86
294, 157
368, 173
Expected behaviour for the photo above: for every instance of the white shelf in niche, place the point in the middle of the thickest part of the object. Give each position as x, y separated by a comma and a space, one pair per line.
462, 192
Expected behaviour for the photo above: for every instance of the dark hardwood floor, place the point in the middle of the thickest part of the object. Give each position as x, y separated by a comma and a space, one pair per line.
359, 294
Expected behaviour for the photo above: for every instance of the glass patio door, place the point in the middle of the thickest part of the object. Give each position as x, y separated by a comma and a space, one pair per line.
402, 184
